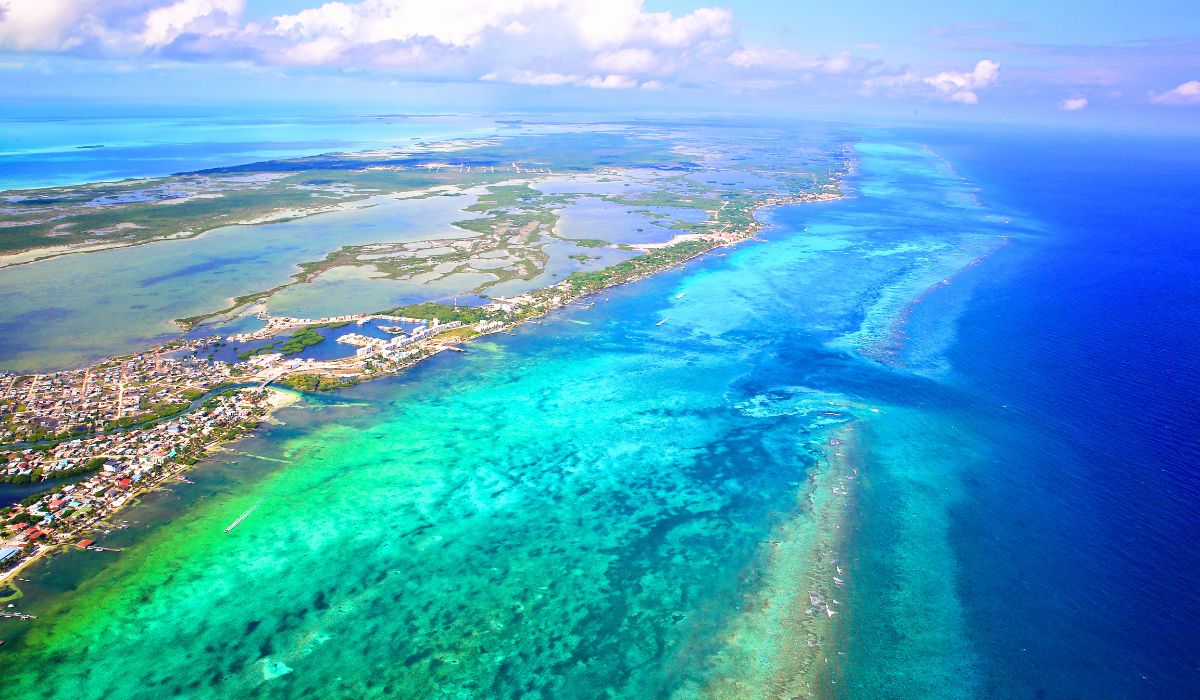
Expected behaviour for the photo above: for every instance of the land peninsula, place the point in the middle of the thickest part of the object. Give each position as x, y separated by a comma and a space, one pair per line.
105, 433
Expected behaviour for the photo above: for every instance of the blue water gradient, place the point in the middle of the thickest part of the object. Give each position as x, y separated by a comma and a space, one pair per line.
79, 147
1004, 328
1076, 539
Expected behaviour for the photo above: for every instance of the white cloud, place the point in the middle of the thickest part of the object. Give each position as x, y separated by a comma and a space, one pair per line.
41, 25
1186, 94
964, 87
615, 44
627, 61
532, 78
891, 82
164, 24
507, 40
318, 51
611, 81
788, 60
1073, 104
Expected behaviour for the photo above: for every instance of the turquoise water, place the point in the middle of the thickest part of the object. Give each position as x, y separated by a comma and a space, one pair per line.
885, 453
41, 151
599, 505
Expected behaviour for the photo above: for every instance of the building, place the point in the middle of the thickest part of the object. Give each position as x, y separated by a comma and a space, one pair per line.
7, 554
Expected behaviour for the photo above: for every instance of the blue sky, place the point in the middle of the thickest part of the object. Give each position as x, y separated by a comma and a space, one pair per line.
1050, 61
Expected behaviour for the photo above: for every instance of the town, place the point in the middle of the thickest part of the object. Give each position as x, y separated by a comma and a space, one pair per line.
120, 428
124, 426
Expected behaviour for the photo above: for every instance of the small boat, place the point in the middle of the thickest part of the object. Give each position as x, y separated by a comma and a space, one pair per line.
241, 517
680, 295
661, 322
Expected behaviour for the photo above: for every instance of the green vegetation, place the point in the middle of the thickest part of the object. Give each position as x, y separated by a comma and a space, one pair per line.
504, 196
264, 350
442, 312
158, 411
585, 282
211, 403
89, 466
301, 340
584, 258
315, 382
589, 242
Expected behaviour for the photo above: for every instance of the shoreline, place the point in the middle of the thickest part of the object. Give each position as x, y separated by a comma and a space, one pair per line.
275, 400
549, 299
30, 256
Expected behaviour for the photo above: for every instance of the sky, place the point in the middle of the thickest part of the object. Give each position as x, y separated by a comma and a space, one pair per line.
1059, 61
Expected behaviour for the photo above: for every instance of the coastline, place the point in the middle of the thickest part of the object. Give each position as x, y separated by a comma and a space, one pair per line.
548, 298
275, 400
43, 253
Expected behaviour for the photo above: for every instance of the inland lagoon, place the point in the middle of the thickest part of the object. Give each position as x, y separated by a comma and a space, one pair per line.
819, 464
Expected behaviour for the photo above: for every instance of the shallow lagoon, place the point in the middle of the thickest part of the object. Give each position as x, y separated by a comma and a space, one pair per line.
599, 219
70, 310
650, 546
355, 289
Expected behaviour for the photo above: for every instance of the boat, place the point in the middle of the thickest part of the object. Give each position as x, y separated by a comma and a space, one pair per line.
661, 322
241, 517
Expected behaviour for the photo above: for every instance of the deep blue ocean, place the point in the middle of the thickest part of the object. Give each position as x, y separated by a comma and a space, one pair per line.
1023, 524
1077, 545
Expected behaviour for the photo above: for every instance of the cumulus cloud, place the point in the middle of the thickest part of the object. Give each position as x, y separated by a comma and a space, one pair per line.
212, 17
46, 25
956, 86
610, 81
778, 59
1073, 104
1186, 94
965, 87
613, 38
615, 44
891, 82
